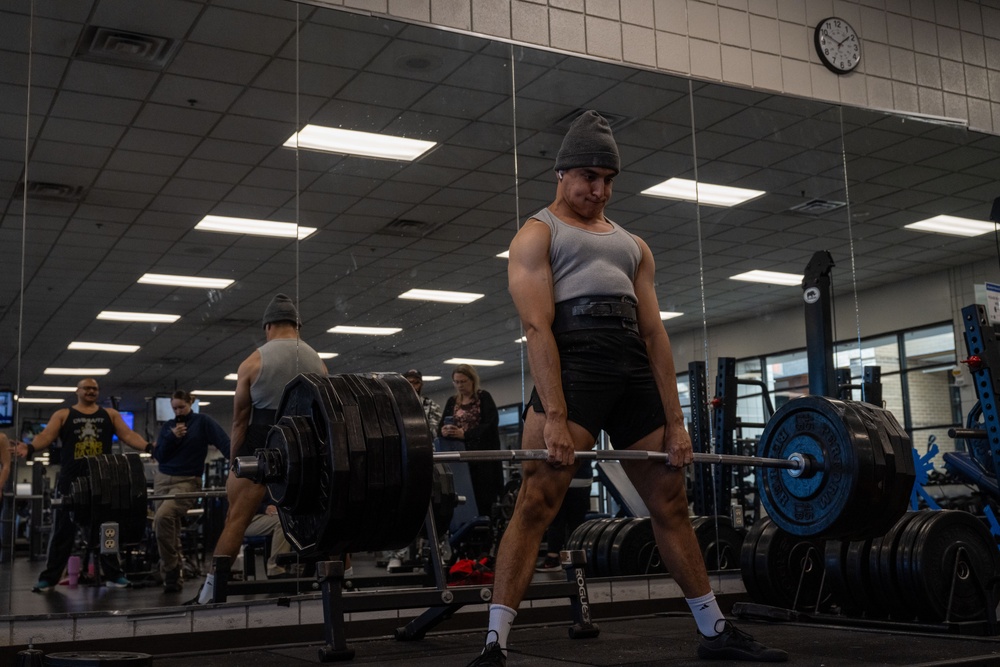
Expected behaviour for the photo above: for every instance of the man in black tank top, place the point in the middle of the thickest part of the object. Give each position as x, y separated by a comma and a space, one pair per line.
85, 430
252, 421
601, 360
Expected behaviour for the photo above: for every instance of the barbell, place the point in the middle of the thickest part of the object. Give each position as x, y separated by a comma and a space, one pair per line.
349, 464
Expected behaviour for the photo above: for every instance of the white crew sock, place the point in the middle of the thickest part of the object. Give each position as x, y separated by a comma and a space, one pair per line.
207, 590
706, 613
501, 618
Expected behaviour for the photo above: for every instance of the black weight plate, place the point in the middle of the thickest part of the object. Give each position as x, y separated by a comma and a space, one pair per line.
104, 471
858, 578
835, 566
320, 523
374, 453
634, 551
390, 535
114, 473
869, 486
824, 503
416, 454
946, 536
789, 569
125, 487
98, 659
575, 540
748, 560
720, 543
357, 454
94, 478
590, 545
902, 571
602, 552
79, 499
335, 447
883, 568
591, 526
900, 483
135, 513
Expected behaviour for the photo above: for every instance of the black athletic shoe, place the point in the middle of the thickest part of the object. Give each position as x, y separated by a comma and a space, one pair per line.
734, 644
492, 656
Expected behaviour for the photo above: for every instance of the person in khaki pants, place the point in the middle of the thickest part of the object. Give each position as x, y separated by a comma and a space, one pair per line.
181, 450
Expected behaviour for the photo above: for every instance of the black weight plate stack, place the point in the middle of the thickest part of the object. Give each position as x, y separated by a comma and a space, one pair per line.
391, 535
104, 470
97, 514
902, 568
602, 552
720, 543
872, 469
590, 542
634, 551
941, 579
748, 561
826, 502
115, 471
320, 525
883, 566
835, 566
334, 445
359, 512
789, 569
575, 540
378, 484
135, 525
891, 441
858, 578
416, 454
79, 500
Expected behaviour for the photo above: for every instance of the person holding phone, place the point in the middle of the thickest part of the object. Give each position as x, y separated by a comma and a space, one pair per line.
180, 449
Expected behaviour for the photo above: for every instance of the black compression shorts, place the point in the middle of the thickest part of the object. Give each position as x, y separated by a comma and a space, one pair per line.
608, 385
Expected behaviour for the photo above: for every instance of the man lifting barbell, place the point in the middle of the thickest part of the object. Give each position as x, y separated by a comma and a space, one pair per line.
601, 360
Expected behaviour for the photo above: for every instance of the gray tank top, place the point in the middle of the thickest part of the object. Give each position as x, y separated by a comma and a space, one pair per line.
280, 361
588, 263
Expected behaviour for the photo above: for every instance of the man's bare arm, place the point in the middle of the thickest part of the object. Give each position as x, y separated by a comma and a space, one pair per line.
47, 436
529, 275
124, 433
661, 358
4, 460
242, 402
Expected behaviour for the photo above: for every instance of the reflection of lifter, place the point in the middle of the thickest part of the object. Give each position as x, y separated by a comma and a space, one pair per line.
260, 381
180, 450
85, 430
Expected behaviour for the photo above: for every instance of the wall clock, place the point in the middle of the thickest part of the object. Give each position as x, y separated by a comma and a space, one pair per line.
838, 45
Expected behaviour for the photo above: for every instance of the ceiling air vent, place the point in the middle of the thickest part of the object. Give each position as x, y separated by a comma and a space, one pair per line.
409, 228
817, 207
131, 49
40, 190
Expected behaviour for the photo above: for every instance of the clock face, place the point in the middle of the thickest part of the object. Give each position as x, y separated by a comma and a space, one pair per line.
838, 45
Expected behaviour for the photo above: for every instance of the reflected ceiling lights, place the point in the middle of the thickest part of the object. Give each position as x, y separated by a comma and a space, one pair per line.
288, 230
212, 392
769, 277
232, 376
328, 355
954, 226
440, 296
504, 255
76, 371
669, 314
122, 316
473, 362
431, 378
351, 142
184, 281
24, 399
703, 193
102, 347
364, 331
44, 387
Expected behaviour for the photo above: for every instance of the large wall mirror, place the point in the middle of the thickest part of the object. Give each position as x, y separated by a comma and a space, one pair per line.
142, 123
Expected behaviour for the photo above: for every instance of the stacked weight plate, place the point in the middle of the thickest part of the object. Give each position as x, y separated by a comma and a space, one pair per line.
356, 461
865, 469
113, 489
782, 569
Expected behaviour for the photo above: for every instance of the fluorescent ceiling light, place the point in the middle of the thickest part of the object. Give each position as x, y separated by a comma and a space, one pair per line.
202, 404
949, 224
351, 142
769, 277
328, 355
288, 230
184, 281
473, 362
504, 255
231, 376
440, 295
703, 193
102, 347
669, 314
431, 378
121, 316
76, 371
24, 399
212, 392
364, 331
44, 387
522, 339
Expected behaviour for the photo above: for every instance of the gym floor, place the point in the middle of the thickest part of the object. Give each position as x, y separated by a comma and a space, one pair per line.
644, 639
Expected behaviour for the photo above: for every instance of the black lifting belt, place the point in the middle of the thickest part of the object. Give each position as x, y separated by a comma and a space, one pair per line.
595, 312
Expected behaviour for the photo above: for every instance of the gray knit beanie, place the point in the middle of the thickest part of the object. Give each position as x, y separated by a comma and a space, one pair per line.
589, 143
281, 309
